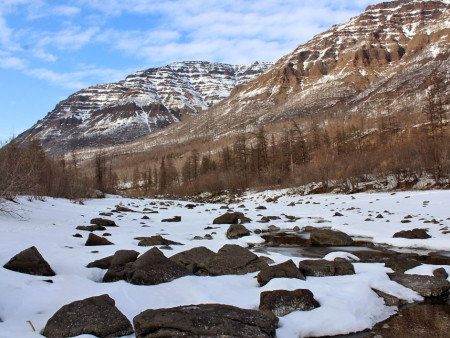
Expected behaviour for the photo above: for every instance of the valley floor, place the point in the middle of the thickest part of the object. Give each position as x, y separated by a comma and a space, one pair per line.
347, 303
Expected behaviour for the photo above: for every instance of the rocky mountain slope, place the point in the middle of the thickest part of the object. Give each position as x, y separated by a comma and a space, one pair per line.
146, 101
378, 61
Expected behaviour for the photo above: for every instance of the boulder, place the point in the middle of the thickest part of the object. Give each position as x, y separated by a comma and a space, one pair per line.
204, 320
232, 218
120, 266
287, 269
153, 268
101, 263
426, 286
173, 219
390, 300
193, 259
323, 268
401, 262
440, 273
94, 240
422, 320
282, 302
97, 316
155, 240
412, 234
90, 227
120, 208
30, 261
237, 231
233, 260
103, 222
325, 237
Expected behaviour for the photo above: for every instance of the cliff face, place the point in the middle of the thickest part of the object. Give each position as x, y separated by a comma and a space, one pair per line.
144, 102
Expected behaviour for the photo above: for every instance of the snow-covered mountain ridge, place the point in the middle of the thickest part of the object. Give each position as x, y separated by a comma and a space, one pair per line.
140, 104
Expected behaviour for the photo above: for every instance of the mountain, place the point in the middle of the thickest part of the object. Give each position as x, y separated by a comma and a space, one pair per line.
376, 62
110, 114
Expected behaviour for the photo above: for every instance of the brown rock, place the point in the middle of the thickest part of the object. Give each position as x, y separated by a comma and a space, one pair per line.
283, 270
325, 237
31, 262
103, 222
94, 240
282, 302
323, 268
426, 286
412, 234
237, 231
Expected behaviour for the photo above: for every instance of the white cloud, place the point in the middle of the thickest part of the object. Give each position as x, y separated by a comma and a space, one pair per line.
11, 62
71, 38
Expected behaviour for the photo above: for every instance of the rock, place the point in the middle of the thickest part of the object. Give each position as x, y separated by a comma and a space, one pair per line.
173, 219
204, 320
101, 263
153, 268
155, 240
284, 270
120, 208
94, 240
337, 214
390, 300
90, 227
273, 228
323, 268
282, 302
440, 273
325, 237
401, 262
422, 320
379, 216
145, 217
190, 206
233, 260
237, 231
103, 222
426, 286
106, 234
193, 259
232, 218
77, 235
97, 316
120, 265
31, 262
412, 234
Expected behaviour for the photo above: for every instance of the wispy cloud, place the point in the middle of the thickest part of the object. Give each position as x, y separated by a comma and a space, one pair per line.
10, 62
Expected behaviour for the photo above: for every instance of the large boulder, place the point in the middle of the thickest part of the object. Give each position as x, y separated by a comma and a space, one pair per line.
401, 262
97, 316
287, 269
30, 261
102, 263
325, 237
121, 265
204, 320
154, 268
103, 222
193, 259
237, 231
94, 240
426, 286
232, 218
323, 268
233, 260
155, 240
412, 234
282, 302
422, 320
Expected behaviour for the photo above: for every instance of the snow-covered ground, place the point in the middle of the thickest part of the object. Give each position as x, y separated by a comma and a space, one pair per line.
347, 302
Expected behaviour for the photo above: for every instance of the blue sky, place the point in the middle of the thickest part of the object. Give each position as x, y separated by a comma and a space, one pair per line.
50, 49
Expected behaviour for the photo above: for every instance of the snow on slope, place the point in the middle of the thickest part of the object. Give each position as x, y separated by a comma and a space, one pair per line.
348, 302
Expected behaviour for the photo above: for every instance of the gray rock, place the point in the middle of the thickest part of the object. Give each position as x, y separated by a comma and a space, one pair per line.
31, 262
323, 268
282, 302
440, 273
287, 269
204, 320
97, 316
325, 237
401, 262
103, 222
390, 300
193, 259
426, 286
237, 231
233, 260
412, 234
94, 240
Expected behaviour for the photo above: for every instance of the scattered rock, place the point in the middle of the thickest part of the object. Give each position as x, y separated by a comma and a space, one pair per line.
101, 263
31, 262
287, 269
190, 206
337, 214
422, 320
412, 234
120, 265
95, 315
323, 268
401, 262
155, 240
103, 222
173, 219
90, 227
282, 302
106, 234
204, 320
390, 300
77, 235
379, 216
193, 259
145, 217
426, 286
94, 240
440, 273
273, 228
232, 218
325, 237
233, 260
237, 231
120, 208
